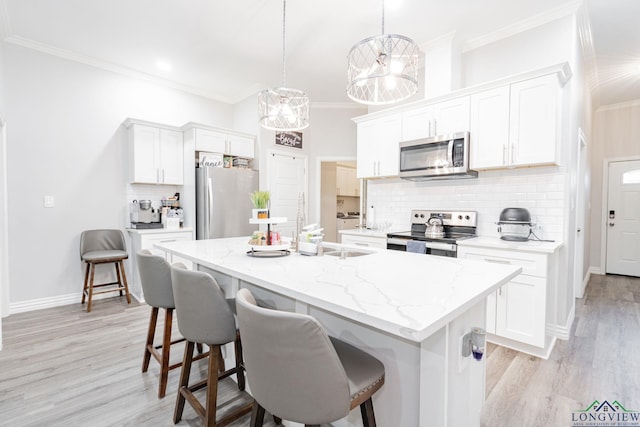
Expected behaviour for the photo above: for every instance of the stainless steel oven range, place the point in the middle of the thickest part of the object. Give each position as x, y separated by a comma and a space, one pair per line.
439, 230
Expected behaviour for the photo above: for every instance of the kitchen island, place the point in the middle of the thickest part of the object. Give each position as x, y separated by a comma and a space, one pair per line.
408, 310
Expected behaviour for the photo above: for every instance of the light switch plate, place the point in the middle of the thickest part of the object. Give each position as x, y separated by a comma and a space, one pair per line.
49, 202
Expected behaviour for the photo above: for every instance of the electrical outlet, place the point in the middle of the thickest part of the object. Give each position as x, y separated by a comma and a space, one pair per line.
49, 202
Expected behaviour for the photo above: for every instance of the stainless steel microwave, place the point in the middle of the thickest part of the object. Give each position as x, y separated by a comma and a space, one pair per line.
438, 157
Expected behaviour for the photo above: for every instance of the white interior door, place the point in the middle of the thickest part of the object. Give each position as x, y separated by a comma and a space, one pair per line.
287, 181
623, 218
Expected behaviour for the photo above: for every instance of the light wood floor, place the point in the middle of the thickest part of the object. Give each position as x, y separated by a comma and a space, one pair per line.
600, 361
65, 367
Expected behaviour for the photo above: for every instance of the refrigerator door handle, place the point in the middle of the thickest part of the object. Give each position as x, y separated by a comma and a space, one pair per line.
209, 204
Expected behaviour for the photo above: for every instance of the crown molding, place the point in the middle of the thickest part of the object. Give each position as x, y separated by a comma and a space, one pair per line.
109, 66
521, 26
619, 106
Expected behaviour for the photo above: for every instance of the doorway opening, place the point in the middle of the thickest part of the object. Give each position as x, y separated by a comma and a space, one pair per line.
339, 194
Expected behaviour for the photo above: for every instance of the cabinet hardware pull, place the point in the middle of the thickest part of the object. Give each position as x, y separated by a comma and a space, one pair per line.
497, 261
163, 175
157, 174
513, 153
504, 154
361, 244
500, 291
168, 241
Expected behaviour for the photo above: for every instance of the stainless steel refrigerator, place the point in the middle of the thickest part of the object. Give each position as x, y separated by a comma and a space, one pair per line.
223, 206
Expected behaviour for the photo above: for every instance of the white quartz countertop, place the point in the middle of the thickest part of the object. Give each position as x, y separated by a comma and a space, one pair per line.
366, 232
159, 230
497, 243
405, 294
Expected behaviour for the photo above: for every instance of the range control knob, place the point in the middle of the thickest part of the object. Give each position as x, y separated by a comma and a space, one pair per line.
421, 215
415, 215
467, 217
459, 216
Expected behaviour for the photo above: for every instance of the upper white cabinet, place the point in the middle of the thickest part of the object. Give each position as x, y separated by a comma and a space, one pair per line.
156, 154
218, 141
378, 146
534, 121
436, 119
347, 183
516, 125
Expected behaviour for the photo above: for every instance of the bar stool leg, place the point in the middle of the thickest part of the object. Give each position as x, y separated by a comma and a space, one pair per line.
93, 271
239, 362
366, 409
257, 415
86, 282
184, 381
124, 279
118, 279
150, 335
166, 351
212, 384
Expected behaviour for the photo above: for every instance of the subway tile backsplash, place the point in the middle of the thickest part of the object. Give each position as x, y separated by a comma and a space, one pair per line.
540, 190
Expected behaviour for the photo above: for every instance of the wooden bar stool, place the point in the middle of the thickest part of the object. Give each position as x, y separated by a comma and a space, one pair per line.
103, 247
298, 373
155, 277
206, 317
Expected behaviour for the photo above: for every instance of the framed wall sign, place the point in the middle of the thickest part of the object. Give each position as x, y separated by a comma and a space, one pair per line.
289, 139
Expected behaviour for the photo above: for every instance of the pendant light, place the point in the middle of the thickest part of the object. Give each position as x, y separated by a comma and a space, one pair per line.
383, 69
283, 108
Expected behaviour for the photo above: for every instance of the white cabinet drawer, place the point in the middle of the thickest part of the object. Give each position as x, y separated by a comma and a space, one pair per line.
364, 241
532, 264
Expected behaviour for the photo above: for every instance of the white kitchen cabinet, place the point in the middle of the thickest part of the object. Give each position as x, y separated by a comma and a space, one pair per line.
489, 133
517, 310
145, 239
346, 182
436, 119
378, 146
156, 155
364, 241
217, 141
516, 125
534, 122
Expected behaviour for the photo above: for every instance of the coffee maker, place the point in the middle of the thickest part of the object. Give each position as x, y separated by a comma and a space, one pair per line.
143, 215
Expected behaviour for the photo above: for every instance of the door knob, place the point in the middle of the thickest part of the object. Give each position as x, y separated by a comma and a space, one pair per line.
611, 224
579, 230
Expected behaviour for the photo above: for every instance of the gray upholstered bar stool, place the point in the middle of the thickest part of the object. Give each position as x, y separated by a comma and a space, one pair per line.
103, 247
155, 277
206, 317
298, 373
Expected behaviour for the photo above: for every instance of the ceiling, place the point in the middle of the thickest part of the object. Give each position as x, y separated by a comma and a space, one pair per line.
229, 50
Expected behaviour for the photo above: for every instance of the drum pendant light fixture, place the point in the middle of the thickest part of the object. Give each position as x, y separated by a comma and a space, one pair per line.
283, 108
383, 69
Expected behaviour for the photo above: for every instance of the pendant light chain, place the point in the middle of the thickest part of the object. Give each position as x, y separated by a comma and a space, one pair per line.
382, 32
284, 68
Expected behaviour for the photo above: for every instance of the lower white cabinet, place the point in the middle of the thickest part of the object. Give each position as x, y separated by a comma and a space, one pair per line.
146, 239
518, 309
365, 241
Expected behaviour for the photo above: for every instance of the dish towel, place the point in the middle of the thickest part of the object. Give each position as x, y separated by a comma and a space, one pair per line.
416, 246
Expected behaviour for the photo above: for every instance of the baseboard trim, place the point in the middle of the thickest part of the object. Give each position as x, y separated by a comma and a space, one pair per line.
595, 270
563, 332
57, 301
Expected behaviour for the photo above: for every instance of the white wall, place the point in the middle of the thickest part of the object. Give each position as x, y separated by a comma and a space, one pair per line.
616, 135
539, 47
65, 139
4, 263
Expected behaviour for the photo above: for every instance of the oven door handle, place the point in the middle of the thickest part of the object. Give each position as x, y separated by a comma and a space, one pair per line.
397, 241
441, 246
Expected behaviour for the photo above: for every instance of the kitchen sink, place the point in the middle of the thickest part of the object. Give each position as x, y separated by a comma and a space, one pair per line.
347, 253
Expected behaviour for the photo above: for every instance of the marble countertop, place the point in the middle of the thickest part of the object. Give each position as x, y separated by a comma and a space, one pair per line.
405, 294
158, 230
367, 232
497, 243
